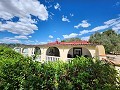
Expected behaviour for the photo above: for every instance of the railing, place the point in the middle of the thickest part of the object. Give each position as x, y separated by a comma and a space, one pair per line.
52, 58
25, 54
69, 59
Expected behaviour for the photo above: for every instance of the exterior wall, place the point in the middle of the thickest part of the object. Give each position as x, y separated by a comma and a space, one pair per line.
63, 53
100, 52
43, 54
17, 49
30, 51
86, 52
91, 50
25, 51
71, 52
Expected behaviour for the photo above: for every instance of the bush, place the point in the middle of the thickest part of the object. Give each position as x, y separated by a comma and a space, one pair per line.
77, 74
83, 73
8, 53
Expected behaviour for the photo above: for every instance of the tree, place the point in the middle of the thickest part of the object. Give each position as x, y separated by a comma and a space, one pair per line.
6, 52
95, 38
110, 39
109, 32
71, 40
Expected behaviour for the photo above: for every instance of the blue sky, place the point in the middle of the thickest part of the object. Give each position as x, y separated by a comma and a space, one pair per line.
38, 22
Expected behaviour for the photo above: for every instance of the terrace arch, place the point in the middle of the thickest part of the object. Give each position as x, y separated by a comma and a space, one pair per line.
52, 54
78, 51
25, 51
18, 49
53, 51
37, 50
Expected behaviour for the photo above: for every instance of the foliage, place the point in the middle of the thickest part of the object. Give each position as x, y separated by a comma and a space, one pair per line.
8, 53
110, 39
37, 52
84, 74
77, 74
71, 39
12, 45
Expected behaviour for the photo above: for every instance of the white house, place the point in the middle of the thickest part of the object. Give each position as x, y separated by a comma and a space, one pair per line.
62, 50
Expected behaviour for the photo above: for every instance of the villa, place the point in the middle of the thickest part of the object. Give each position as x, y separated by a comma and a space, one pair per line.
62, 50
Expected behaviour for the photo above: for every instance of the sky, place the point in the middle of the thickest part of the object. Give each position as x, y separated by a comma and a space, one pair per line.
42, 21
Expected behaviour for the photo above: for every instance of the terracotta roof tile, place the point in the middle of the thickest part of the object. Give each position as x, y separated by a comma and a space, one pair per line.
69, 43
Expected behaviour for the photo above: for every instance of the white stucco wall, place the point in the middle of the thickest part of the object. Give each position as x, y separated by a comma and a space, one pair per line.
63, 50
71, 52
43, 54
18, 49
25, 51
86, 52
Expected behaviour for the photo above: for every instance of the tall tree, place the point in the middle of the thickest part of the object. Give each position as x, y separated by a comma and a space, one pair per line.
71, 39
110, 39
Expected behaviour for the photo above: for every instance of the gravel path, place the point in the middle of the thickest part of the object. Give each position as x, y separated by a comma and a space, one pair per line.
115, 58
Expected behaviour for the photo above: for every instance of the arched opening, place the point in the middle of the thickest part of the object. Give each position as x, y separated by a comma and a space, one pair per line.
37, 54
78, 51
37, 51
53, 51
17, 49
25, 51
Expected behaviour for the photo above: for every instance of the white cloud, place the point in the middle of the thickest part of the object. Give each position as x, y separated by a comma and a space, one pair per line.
49, 6
49, 40
21, 37
117, 3
85, 38
43, 43
19, 27
116, 28
93, 30
72, 35
36, 42
71, 14
23, 9
51, 15
50, 36
57, 6
65, 19
110, 21
84, 24
29, 42
99, 28
29, 36
9, 40
58, 39
113, 23
84, 32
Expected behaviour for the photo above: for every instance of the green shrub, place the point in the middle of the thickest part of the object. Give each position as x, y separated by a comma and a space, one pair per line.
19, 73
7, 53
